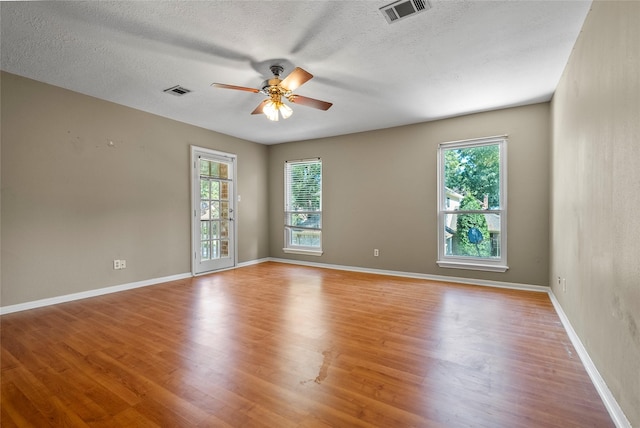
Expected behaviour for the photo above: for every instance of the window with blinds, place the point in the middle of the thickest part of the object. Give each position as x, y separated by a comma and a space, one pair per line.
303, 206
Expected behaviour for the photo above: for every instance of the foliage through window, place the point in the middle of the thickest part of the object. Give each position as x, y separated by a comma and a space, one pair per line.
472, 204
303, 206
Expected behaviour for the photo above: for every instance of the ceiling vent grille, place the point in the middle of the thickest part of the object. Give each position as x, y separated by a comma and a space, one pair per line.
398, 10
177, 91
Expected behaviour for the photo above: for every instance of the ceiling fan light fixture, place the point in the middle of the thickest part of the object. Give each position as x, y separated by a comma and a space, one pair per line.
270, 110
285, 111
273, 109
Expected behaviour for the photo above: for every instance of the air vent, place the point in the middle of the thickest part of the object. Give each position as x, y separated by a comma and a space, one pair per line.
402, 9
177, 91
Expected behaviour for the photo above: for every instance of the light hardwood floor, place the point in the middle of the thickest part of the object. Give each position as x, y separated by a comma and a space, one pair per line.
277, 345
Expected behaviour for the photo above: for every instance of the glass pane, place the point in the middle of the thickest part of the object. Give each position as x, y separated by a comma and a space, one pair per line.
215, 190
224, 191
204, 210
305, 238
204, 189
204, 168
223, 170
215, 230
214, 209
224, 248
204, 230
215, 250
224, 209
224, 229
205, 250
215, 167
472, 235
304, 220
472, 177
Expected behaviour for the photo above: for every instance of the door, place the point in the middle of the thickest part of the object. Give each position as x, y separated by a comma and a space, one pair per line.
213, 225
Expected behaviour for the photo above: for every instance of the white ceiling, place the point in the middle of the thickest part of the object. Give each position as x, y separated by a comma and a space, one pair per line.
457, 58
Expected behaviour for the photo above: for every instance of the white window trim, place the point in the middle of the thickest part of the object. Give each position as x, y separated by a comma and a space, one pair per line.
303, 252
473, 263
299, 249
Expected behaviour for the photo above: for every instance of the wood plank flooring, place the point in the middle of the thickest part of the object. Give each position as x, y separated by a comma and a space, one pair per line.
277, 345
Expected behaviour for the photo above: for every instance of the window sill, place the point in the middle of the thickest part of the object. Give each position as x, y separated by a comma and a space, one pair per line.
472, 266
303, 252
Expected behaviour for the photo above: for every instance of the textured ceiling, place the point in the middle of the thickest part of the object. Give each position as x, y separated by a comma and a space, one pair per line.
457, 58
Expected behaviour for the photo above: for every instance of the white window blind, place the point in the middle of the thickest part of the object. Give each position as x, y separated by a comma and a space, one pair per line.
303, 206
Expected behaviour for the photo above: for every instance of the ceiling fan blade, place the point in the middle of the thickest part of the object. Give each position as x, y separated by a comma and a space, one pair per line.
309, 102
258, 109
295, 79
238, 88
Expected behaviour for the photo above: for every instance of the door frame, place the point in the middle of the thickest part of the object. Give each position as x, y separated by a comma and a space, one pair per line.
197, 151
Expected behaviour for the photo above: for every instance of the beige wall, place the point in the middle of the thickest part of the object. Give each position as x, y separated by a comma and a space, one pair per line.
71, 204
379, 191
596, 195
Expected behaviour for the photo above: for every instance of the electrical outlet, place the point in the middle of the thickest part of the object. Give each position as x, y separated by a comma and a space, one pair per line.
564, 285
123, 264
116, 264
376, 253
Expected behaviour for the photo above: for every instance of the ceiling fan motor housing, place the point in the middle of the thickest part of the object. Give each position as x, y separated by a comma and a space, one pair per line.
276, 70
272, 86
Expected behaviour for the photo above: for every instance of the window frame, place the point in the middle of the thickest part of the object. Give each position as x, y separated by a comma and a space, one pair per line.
288, 247
470, 262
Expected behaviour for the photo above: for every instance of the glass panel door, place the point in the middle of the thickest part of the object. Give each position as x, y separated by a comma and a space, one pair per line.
213, 214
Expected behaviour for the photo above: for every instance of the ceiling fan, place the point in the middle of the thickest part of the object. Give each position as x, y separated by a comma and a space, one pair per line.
277, 89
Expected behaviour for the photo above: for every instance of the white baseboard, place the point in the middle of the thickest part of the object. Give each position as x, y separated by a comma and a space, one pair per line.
116, 288
107, 290
607, 397
90, 293
441, 278
253, 262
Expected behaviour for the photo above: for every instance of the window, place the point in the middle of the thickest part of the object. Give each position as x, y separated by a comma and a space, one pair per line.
303, 206
472, 213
